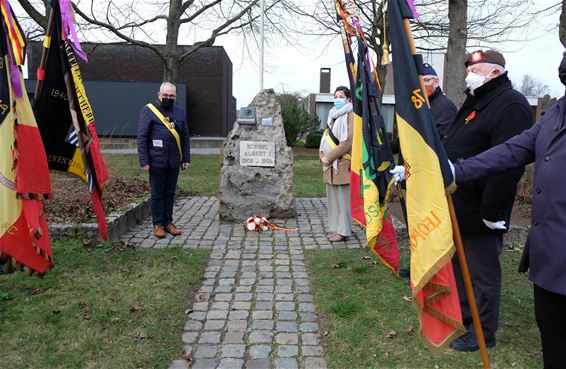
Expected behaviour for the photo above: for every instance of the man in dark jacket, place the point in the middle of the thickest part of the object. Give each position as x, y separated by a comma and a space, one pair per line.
163, 148
544, 254
492, 113
442, 108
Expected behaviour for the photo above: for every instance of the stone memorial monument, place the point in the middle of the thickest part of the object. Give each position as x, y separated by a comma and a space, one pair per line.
256, 177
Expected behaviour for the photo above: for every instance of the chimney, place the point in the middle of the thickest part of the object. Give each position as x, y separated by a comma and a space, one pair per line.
325, 80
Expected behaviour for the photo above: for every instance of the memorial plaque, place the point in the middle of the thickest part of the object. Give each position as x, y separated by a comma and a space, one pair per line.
257, 153
247, 115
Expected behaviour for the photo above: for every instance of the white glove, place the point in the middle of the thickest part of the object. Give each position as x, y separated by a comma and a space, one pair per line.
398, 173
495, 225
452, 169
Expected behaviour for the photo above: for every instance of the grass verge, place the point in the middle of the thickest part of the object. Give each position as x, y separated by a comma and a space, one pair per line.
99, 308
361, 304
203, 176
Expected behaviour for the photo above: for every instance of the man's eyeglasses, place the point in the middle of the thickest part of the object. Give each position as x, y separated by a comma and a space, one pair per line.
429, 80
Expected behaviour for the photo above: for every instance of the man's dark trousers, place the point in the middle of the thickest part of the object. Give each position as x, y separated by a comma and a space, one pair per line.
163, 182
551, 321
482, 253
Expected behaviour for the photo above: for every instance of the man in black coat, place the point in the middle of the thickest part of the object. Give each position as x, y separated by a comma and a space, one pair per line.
163, 148
544, 254
492, 113
442, 108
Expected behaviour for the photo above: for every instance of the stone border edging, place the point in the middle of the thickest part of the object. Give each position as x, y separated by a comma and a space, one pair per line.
117, 222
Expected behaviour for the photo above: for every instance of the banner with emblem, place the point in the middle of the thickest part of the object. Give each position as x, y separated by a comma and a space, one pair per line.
427, 177
370, 180
63, 112
24, 175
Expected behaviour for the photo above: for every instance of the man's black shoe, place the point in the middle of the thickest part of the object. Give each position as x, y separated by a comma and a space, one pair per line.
469, 343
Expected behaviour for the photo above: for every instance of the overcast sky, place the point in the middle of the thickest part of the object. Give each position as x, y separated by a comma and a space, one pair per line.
297, 68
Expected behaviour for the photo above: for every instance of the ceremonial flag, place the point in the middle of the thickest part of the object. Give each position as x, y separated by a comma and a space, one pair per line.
370, 179
24, 175
63, 112
371, 153
427, 177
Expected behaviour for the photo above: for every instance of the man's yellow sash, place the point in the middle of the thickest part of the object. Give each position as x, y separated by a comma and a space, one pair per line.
333, 144
167, 124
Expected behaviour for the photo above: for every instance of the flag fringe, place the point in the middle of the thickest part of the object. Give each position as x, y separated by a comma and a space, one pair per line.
442, 261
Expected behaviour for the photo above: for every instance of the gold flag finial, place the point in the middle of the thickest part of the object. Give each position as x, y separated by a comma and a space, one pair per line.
385, 46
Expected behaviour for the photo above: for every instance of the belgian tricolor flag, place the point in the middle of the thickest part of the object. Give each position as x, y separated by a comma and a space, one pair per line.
63, 112
427, 177
24, 175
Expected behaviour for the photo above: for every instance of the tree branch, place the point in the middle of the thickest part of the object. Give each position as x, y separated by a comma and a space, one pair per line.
115, 31
39, 18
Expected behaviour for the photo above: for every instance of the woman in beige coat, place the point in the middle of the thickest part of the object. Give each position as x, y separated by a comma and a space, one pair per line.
335, 150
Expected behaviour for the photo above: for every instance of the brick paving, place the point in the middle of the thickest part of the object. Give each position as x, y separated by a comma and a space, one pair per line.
255, 307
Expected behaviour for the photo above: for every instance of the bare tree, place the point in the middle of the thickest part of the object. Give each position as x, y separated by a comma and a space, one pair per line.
151, 22
449, 26
456, 50
532, 86
562, 26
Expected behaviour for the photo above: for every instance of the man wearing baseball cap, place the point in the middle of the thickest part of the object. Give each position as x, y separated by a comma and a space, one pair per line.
492, 113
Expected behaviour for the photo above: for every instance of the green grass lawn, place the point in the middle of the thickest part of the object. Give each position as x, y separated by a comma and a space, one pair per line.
361, 303
203, 176
99, 308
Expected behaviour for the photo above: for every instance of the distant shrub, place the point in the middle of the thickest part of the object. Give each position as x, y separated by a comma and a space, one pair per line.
313, 140
296, 120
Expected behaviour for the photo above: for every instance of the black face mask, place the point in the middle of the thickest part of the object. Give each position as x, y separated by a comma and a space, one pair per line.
167, 103
562, 71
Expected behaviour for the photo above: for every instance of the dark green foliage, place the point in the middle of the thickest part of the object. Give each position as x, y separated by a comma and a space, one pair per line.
313, 140
296, 120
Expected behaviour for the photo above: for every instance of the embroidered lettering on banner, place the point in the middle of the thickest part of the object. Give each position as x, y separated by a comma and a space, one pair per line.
423, 229
417, 98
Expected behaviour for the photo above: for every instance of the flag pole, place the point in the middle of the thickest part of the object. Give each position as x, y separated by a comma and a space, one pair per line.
43, 60
402, 203
262, 45
457, 237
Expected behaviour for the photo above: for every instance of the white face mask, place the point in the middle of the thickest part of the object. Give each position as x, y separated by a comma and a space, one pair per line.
473, 81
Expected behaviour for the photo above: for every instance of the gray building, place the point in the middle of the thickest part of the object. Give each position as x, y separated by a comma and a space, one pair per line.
120, 78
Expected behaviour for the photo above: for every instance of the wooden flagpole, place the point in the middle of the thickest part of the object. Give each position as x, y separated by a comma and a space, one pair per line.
43, 60
457, 237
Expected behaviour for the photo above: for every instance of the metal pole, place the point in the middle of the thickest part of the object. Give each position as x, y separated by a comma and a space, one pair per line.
262, 45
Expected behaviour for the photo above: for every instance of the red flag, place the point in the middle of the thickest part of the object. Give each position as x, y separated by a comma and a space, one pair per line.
24, 176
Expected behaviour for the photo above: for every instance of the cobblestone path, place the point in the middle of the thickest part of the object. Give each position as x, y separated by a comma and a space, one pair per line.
255, 307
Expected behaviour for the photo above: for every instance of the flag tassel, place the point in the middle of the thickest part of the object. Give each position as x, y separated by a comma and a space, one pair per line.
457, 237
